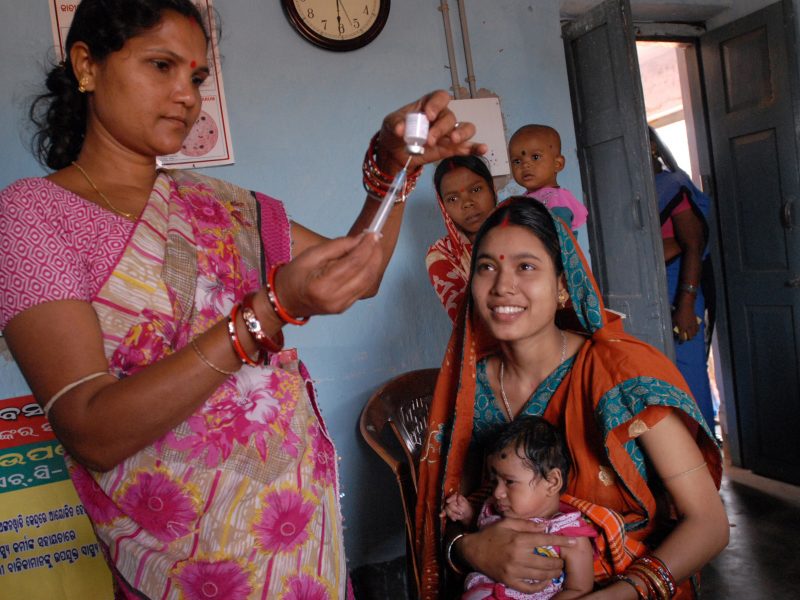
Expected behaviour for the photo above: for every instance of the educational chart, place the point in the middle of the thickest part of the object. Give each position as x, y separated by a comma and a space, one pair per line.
48, 550
209, 142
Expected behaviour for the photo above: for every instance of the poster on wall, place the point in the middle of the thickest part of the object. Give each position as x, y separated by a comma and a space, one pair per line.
48, 550
209, 142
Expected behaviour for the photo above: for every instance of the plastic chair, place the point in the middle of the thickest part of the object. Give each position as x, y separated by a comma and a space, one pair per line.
401, 406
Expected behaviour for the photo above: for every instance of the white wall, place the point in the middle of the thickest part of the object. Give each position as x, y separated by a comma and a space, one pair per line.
300, 120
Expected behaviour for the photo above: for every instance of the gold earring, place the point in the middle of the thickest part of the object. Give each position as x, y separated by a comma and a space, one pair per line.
83, 83
562, 299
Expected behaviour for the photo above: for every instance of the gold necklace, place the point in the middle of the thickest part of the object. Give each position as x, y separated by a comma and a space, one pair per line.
101, 194
503, 395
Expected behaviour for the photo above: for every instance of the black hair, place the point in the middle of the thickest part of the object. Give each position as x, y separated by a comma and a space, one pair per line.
60, 113
525, 212
537, 442
476, 164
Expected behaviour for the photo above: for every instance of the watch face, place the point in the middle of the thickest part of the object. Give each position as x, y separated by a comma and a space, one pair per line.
338, 24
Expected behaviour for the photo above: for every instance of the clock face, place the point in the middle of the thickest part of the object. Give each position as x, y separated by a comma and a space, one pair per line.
338, 24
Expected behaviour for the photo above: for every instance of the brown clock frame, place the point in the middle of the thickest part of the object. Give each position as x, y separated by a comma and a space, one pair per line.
332, 44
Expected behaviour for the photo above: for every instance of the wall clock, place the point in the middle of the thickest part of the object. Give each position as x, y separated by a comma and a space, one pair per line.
337, 25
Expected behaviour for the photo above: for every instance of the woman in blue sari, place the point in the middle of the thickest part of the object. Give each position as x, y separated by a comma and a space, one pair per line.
683, 211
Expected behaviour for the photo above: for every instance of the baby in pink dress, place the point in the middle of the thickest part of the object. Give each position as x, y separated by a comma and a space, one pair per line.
529, 463
536, 160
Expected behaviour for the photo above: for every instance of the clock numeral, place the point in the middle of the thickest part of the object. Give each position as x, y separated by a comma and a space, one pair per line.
310, 13
341, 27
366, 9
356, 24
324, 24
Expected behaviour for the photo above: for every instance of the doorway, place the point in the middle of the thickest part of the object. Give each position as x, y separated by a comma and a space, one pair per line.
745, 106
666, 75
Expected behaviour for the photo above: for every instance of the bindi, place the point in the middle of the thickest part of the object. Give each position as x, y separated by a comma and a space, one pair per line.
502, 257
193, 64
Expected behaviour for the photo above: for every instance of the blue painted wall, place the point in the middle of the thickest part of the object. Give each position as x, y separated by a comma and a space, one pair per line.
301, 119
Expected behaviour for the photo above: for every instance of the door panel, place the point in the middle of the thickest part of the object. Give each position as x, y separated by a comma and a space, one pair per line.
751, 82
611, 130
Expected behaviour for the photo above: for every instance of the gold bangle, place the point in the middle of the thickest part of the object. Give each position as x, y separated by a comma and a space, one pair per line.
208, 362
449, 553
686, 472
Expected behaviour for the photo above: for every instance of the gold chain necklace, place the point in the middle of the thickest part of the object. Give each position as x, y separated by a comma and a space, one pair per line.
101, 194
503, 395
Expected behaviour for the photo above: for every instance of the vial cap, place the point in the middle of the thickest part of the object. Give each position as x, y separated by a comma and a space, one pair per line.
416, 132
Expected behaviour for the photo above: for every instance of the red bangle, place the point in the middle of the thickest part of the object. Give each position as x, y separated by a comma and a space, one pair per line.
264, 341
276, 305
237, 345
377, 182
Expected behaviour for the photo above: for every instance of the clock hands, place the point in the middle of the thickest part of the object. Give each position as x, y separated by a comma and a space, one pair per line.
344, 10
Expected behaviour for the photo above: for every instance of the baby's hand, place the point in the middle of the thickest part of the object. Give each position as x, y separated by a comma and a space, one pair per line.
457, 508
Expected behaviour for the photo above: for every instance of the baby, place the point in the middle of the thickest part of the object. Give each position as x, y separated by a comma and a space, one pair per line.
536, 160
529, 463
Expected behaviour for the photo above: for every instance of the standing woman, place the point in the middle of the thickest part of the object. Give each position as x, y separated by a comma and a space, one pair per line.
466, 195
684, 232
145, 309
535, 340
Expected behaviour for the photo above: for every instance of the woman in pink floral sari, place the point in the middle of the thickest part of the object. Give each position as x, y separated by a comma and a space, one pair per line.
145, 309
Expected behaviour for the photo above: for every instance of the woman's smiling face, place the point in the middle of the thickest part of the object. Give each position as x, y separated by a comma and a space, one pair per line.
515, 286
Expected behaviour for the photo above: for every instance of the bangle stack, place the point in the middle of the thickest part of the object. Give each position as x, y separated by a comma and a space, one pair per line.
276, 305
659, 584
237, 345
377, 182
265, 342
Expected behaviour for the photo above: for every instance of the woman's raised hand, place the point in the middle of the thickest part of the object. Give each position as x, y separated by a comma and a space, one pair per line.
446, 136
328, 277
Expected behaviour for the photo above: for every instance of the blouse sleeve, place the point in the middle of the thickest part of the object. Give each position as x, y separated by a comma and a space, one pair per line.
275, 230
39, 259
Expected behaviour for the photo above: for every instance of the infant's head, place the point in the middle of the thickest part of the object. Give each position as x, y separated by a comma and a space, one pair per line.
529, 463
535, 154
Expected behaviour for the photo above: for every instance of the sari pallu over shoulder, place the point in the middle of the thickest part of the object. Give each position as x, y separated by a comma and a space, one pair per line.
241, 500
617, 388
447, 262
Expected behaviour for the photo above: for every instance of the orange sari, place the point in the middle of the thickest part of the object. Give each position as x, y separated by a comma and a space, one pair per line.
617, 388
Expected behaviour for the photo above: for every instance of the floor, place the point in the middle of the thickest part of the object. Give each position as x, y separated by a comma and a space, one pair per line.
761, 562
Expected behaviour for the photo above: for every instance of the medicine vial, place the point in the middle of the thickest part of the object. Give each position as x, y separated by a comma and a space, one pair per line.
416, 132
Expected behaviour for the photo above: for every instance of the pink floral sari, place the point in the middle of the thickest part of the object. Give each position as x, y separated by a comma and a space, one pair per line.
241, 500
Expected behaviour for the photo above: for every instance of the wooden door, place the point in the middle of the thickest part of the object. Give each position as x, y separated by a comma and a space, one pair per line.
611, 130
751, 87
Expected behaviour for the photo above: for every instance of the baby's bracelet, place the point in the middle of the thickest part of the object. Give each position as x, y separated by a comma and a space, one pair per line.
449, 553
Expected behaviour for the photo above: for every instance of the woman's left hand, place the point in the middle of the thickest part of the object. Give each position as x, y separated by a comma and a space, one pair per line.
446, 136
685, 322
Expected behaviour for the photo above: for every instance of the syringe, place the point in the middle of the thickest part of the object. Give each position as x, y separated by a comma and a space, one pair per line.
397, 187
416, 132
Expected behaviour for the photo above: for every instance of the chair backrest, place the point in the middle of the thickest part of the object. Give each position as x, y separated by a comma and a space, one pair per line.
401, 407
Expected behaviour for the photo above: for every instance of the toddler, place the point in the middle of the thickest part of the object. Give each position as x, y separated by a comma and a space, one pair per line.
529, 463
536, 160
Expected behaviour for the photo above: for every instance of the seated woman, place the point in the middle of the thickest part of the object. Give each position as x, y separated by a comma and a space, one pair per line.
466, 195
534, 339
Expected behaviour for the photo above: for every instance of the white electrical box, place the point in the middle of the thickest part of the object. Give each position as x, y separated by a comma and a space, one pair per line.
485, 114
